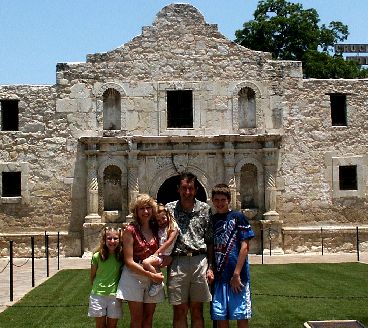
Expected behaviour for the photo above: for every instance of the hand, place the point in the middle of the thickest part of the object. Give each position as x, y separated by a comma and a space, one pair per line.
157, 277
210, 276
236, 284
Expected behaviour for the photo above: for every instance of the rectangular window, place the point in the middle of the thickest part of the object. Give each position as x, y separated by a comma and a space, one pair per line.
348, 177
338, 109
180, 109
9, 115
11, 182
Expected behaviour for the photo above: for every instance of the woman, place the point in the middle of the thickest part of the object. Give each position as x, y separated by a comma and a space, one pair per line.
140, 240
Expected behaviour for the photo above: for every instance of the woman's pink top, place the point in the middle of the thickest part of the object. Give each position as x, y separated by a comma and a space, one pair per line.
141, 247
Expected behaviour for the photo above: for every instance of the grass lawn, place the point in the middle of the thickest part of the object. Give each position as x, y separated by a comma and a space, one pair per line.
283, 296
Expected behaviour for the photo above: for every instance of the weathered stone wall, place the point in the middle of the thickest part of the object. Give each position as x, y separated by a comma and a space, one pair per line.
310, 143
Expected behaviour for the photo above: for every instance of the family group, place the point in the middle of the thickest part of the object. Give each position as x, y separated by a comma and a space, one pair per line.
205, 252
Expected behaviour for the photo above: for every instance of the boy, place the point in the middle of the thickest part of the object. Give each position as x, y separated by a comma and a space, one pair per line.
232, 232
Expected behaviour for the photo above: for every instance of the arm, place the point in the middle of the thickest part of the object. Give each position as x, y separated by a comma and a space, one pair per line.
235, 281
93, 273
171, 238
133, 266
210, 275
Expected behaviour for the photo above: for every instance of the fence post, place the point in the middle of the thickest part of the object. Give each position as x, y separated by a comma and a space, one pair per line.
357, 242
33, 262
58, 250
47, 254
322, 239
262, 232
11, 270
269, 237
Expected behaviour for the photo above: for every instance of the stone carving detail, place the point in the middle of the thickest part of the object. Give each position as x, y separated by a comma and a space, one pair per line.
162, 163
93, 190
92, 183
270, 190
270, 178
133, 180
180, 162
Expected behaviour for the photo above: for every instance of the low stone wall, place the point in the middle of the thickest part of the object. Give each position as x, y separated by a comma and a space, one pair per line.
69, 244
332, 239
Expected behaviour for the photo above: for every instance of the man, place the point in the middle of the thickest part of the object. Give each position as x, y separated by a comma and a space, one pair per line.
191, 269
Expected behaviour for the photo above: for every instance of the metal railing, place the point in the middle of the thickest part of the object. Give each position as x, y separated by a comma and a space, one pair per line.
269, 235
11, 264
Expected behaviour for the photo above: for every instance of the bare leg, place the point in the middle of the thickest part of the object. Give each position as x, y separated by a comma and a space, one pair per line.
243, 323
196, 311
180, 315
148, 311
112, 323
101, 322
222, 323
136, 314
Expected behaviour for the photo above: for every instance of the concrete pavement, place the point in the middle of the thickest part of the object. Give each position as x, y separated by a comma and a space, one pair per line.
22, 269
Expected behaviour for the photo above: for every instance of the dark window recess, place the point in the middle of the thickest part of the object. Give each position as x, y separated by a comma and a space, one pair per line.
348, 177
9, 115
11, 184
180, 109
338, 109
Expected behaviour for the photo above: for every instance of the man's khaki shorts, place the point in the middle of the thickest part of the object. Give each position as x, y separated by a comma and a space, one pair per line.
187, 281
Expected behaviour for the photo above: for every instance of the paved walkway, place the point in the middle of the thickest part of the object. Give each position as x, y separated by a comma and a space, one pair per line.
22, 269
22, 275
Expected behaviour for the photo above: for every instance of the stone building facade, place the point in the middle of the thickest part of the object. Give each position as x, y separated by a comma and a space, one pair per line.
181, 96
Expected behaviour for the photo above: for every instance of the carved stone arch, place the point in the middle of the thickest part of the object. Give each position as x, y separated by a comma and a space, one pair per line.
248, 160
169, 171
259, 177
258, 97
108, 162
100, 106
110, 85
250, 85
160, 177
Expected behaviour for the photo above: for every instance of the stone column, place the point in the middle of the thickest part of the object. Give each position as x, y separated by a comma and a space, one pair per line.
92, 190
270, 188
133, 185
271, 223
270, 171
92, 225
229, 165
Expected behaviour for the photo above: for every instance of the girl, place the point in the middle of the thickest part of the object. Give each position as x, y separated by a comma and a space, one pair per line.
168, 232
140, 241
106, 266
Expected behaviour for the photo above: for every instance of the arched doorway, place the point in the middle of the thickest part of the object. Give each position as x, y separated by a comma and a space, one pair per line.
168, 191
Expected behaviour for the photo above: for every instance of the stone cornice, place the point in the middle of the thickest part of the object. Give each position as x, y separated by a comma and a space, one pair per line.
181, 139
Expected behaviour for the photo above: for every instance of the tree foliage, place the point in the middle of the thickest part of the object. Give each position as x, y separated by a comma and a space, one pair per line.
290, 32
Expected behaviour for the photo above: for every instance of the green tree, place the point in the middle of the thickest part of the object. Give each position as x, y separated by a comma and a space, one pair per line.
290, 32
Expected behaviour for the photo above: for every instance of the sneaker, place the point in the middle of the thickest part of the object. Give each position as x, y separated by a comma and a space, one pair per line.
155, 289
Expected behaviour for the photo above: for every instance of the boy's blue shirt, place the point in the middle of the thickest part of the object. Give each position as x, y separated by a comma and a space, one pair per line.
230, 229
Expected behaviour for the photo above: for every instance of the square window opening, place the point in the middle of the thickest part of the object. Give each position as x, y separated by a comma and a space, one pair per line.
9, 115
11, 184
180, 109
348, 177
338, 109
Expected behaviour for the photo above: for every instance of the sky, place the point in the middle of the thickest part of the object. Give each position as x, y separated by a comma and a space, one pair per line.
35, 35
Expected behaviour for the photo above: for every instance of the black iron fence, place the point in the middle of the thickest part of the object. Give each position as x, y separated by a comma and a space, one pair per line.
31, 258
271, 239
